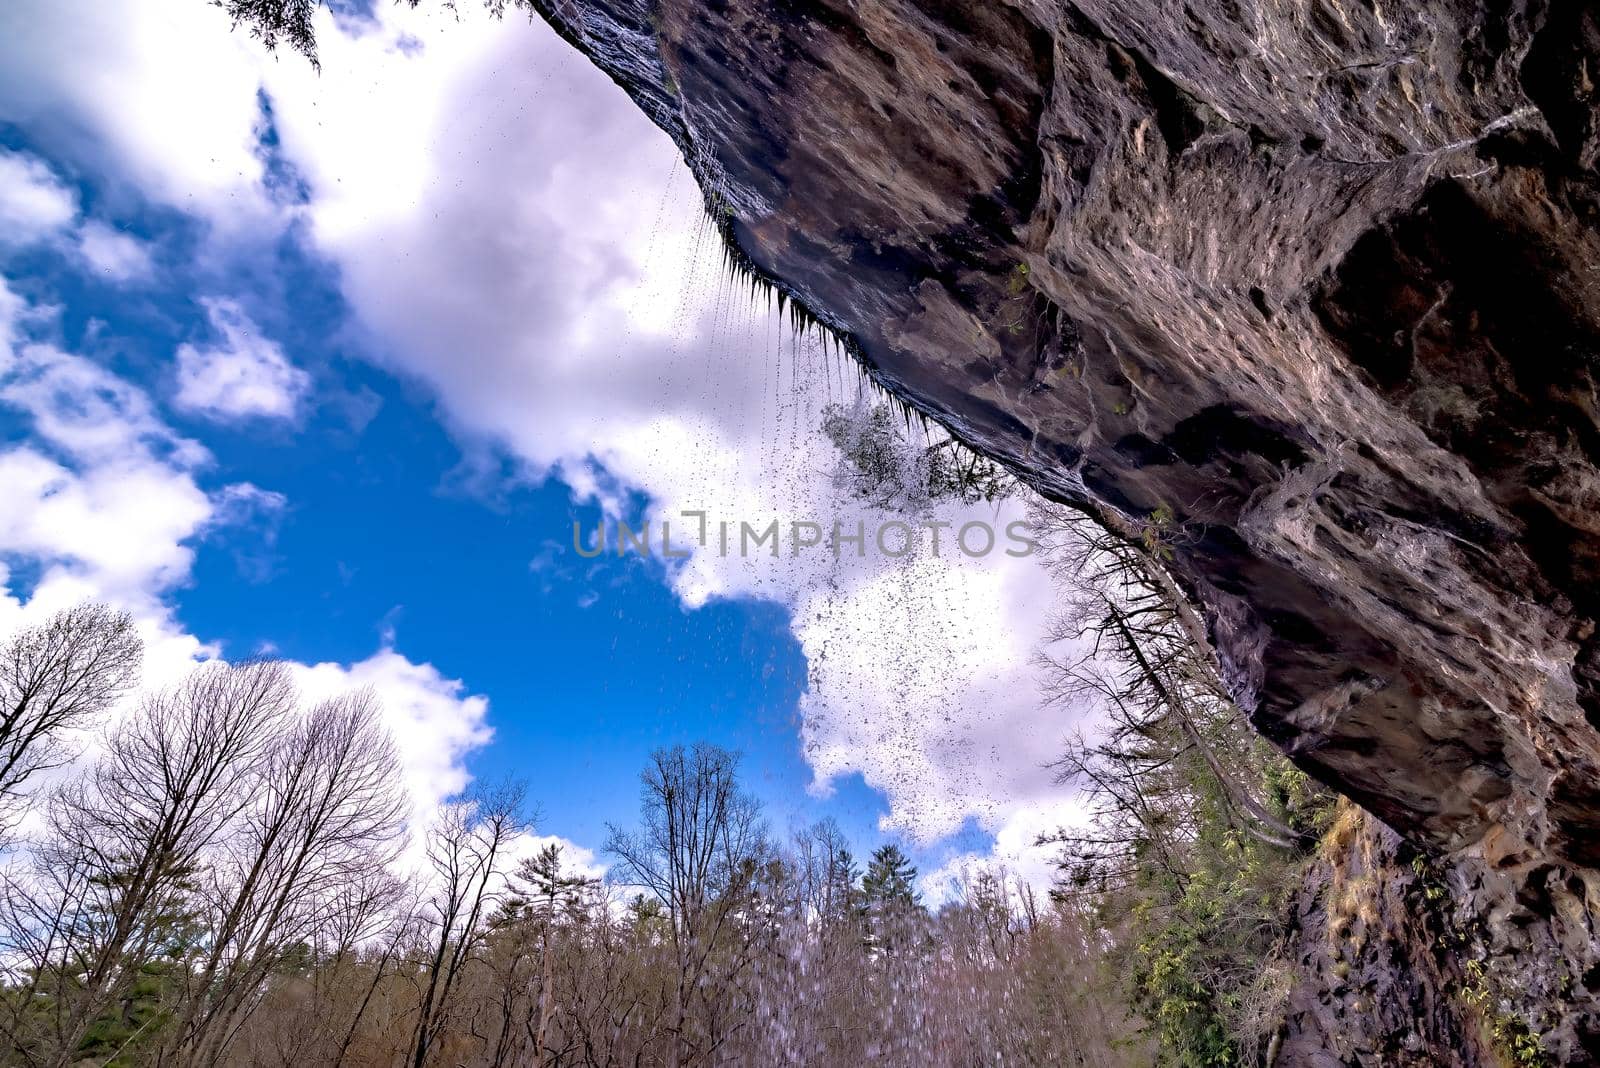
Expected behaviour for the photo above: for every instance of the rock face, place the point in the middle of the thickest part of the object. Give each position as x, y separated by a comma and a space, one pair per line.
1377, 972
1310, 288
1403, 961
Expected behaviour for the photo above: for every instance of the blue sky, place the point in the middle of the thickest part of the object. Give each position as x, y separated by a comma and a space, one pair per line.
327, 367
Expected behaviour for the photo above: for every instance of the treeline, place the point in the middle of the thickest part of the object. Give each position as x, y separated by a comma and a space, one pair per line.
227, 881
224, 876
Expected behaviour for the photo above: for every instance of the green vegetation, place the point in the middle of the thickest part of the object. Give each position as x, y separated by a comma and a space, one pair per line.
1508, 1034
880, 464
1156, 535
1200, 831
890, 881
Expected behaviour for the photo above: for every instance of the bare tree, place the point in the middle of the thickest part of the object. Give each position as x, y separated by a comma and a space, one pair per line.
325, 816
55, 678
468, 848
112, 890
607, 962
1143, 658
700, 851
827, 879
312, 1009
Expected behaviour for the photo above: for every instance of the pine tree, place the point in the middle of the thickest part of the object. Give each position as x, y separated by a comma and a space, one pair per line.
547, 890
894, 914
890, 880
549, 894
846, 899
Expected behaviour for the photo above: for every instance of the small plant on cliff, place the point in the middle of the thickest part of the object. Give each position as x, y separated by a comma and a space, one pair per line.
1017, 309
1157, 532
1508, 1034
1018, 280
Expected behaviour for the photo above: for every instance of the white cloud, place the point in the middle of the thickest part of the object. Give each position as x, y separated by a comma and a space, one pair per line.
169, 651
242, 502
105, 502
37, 207
435, 722
124, 524
14, 311
1016, 850
496, 211
160, 92
34, 204
114, 255
104, 488
89, 413
246, 376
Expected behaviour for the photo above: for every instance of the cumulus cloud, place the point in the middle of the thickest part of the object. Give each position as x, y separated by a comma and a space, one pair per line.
90, 413
14, 312
511, 232
34, 204
435, 722
188, 137
37, 207
114, 255
245, 376
104, 487
104, 500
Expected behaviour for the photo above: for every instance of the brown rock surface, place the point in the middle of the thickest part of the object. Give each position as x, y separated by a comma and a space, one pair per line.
1320, 277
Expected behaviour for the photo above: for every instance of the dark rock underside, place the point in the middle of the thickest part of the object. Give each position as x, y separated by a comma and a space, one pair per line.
1322, 277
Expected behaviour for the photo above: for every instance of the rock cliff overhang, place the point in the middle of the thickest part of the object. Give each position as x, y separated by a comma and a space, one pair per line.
1319, 279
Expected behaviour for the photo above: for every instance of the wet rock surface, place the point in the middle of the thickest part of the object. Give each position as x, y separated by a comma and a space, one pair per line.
1403, 958
1318, 279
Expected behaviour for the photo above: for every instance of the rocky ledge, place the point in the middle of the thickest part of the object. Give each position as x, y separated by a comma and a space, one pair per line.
1308, 289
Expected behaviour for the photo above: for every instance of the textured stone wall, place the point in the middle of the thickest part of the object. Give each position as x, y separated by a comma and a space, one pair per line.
1318, 278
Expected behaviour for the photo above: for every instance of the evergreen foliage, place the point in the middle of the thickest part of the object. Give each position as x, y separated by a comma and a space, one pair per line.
880, 463
890, 881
